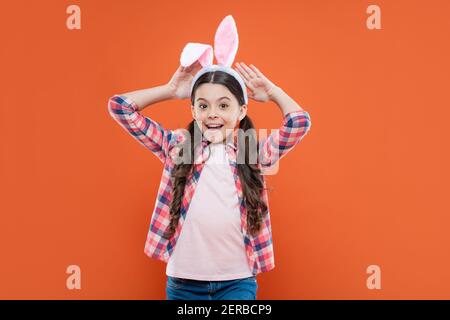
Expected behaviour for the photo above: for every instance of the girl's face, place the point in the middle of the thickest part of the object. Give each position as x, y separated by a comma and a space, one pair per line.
217, 111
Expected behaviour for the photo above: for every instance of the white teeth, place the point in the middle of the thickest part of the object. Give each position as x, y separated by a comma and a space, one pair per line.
214, 126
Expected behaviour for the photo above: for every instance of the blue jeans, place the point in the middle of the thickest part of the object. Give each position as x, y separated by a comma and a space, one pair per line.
187, 289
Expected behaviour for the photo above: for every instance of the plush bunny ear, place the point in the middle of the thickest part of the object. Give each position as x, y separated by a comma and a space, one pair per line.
196, 51
226, 42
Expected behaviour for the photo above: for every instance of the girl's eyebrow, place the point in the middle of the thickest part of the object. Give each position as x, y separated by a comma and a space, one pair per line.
217, 99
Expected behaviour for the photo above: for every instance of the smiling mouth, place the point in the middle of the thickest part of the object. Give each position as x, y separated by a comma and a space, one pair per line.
214, 126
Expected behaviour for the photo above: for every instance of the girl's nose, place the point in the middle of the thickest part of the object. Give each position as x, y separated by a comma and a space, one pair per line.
212, 113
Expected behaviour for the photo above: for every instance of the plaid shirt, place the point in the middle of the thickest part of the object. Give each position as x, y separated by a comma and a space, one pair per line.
164, 144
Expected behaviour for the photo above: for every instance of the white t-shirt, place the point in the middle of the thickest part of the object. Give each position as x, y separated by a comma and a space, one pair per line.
211, 244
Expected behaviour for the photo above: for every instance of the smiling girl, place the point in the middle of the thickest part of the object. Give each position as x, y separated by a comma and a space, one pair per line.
211, 221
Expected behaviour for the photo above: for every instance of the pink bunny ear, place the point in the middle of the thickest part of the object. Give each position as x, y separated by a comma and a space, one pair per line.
226, 42
196, 51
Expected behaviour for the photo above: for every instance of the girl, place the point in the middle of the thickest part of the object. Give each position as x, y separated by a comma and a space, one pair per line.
211, 221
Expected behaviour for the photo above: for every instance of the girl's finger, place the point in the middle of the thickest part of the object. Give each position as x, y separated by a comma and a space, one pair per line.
240, 73
198, 66
250, 71
259, 73
247, 82
243, 72
192, 66
249, 85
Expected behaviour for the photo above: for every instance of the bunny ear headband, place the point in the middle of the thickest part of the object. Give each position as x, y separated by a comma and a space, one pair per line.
226, 43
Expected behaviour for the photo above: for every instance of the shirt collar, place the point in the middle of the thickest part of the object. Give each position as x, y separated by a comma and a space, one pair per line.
203, 152
231, 143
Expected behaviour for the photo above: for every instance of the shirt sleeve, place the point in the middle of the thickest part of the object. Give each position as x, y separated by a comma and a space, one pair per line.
146, 131
295, 126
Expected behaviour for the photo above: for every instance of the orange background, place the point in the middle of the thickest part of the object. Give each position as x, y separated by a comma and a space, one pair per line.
367, 185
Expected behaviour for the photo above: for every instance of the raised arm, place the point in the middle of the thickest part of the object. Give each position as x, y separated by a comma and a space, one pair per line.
296, 121
125, 109
295, 126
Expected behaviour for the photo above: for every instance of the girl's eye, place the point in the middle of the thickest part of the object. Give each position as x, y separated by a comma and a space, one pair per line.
222, 105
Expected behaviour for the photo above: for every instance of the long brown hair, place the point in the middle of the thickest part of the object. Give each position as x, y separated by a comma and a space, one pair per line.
249, 173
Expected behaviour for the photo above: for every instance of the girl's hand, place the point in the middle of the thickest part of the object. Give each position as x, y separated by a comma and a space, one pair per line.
261, 87
181, 81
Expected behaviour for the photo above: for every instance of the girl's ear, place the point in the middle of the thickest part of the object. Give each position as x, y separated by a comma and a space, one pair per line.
243, 112
192, 111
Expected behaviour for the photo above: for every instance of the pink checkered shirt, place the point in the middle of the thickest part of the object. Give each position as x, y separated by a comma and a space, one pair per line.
164, 144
